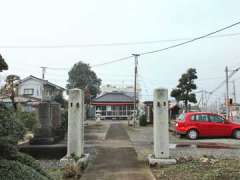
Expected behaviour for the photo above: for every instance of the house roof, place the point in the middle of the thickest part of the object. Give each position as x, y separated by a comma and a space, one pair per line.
113, 97
45, 82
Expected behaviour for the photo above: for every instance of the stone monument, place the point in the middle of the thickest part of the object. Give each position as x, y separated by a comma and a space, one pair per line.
75, 139
160, 129
43, 134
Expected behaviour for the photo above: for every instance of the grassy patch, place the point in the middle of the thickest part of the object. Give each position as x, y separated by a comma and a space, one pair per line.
198, 170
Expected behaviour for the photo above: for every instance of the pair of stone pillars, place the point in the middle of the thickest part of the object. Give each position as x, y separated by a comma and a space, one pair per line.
160, 129
75, 138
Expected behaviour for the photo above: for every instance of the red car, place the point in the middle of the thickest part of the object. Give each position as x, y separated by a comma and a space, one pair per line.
201, 124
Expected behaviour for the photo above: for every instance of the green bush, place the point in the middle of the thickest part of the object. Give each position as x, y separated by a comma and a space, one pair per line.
64, 123
14, 170
14, 165
31, 162
9, 126
29, 119
8, 148
143, 120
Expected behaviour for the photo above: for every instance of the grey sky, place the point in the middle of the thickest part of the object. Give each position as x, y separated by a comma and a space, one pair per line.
62, 22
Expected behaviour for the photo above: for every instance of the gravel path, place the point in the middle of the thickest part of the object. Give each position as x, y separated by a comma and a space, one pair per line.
118, 162
142, 139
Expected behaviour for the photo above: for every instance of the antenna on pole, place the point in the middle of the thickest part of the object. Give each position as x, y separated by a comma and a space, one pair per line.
43, 71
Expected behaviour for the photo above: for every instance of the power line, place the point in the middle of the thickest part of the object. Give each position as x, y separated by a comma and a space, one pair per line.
170, 47
108, 44
148, 52
192, 40
113, 61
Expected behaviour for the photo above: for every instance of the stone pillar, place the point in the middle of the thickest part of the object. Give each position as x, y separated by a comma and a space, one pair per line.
160, 128
75, 122
160, 121
75, 141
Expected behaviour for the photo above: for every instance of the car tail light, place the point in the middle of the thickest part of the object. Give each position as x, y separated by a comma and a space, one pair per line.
180, 124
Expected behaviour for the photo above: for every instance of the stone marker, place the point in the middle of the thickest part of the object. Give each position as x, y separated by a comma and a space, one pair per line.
98, 116
56, 115
49, 118
160, 129
75, 140
148, 113
43, 134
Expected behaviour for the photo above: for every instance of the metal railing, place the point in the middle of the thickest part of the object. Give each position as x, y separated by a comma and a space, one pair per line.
115, 113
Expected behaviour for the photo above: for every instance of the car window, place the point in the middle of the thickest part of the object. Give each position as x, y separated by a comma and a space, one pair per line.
181, 117
193, 117
200, 117
215, 118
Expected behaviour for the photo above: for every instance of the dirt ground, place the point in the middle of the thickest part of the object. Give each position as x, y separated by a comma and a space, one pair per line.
210, 169
118, 151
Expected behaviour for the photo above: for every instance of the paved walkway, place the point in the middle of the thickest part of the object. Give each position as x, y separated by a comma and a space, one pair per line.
117, 159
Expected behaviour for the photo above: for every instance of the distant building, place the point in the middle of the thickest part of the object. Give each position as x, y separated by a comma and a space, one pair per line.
128, 90
38, 88
114, 105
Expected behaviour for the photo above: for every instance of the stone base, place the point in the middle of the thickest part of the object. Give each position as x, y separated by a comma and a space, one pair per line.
98, 121
156, 161
82, 162
130, 122
42, 141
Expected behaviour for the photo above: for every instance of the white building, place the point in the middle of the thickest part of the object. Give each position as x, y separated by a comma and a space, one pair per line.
38, 88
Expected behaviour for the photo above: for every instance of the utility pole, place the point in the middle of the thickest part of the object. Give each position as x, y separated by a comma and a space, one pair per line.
43, 77
234, 92
135, 88
227, 93
43, 71
202, 101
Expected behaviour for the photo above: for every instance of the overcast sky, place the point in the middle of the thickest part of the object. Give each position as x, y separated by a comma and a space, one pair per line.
84, 22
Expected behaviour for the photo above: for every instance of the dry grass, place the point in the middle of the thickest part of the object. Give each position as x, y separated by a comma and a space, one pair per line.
210, 169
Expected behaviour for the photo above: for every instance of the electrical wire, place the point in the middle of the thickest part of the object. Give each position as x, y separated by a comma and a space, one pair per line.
113, 61
172, 46
192, 40
109, 44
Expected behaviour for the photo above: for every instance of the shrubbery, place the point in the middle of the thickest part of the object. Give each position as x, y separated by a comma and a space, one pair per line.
64, 123
14, 165
143, 120
14, 170
31, 162
9, 126
29, 119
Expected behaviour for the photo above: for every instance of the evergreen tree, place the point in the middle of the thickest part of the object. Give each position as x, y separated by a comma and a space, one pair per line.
3, 64
81, 76
183, 91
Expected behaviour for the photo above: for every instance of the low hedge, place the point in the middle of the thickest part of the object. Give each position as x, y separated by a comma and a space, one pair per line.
31, 162
14, 170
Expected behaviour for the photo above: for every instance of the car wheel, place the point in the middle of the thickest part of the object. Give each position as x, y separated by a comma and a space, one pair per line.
192, 134
236, 134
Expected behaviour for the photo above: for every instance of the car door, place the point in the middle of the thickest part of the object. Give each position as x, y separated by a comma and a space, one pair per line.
218, 127
201, 122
